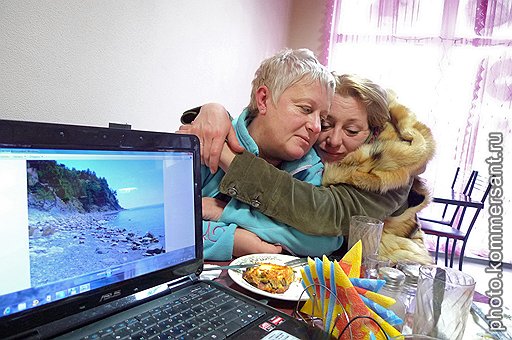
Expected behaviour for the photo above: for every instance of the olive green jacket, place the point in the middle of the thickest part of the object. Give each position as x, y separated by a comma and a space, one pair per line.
312, 210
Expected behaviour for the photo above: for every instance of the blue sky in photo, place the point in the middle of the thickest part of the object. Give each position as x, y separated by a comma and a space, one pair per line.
138, 183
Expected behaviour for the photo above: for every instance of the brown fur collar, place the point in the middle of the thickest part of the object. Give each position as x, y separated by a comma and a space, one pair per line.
401, 151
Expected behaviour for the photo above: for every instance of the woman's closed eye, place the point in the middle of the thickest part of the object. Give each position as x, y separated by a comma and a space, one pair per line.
352, 132
325, 125
306, 109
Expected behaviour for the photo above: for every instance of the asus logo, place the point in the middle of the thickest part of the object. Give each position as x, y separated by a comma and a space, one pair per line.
110, 295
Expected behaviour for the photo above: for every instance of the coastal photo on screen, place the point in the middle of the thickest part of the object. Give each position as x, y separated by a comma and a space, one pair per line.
86, 216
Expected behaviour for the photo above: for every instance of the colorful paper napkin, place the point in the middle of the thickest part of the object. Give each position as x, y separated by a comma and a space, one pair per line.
338, 296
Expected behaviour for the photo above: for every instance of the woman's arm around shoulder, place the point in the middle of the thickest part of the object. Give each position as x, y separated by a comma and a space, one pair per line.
308, 208
212, 124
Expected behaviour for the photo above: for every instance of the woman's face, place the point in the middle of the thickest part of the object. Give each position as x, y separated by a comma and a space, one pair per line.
344, 130
287, 130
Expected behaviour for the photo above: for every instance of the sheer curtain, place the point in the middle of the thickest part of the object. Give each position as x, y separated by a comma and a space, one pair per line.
450, 61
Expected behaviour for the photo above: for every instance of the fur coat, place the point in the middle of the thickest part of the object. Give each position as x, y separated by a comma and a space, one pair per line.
398, 154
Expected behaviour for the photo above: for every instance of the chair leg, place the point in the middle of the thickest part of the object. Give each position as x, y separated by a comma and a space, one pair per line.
462, 250
453, 252
446, 251
464, 241
437, 248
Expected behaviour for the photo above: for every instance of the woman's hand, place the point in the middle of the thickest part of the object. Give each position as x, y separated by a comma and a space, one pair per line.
214, 128
226, 157
247, 243
212, 208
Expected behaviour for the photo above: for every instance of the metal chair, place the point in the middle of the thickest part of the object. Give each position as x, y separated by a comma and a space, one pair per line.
460, 180
472, 198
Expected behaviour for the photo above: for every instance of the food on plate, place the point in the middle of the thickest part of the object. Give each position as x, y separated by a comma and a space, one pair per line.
270, 277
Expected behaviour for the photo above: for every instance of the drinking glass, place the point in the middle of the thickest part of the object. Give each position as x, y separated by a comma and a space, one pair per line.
443, 302
372, 264
368, 230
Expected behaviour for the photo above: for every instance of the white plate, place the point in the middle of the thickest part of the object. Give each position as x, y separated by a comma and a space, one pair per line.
292, 294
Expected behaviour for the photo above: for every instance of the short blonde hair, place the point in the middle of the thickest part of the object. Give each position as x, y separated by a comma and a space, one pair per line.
284, 70
371, 95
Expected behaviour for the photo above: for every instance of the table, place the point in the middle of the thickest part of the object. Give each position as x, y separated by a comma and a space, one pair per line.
288, 307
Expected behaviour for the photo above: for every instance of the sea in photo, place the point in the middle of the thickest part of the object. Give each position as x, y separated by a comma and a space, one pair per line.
89, 216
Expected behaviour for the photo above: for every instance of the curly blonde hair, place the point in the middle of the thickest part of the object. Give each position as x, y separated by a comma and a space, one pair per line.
371, 95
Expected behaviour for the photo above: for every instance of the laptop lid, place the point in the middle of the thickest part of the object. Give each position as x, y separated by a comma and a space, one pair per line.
91, 215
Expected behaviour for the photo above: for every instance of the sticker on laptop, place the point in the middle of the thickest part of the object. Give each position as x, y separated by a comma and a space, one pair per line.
267, 326
276, 320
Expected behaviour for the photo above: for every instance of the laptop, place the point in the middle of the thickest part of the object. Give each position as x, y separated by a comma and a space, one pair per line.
102, 238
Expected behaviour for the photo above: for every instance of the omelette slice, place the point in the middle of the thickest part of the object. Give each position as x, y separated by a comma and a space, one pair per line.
270, 277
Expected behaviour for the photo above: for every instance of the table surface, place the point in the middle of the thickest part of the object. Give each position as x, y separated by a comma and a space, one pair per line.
288, 307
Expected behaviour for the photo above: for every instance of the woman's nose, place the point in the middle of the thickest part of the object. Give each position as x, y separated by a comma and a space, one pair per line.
314, 123
335, 138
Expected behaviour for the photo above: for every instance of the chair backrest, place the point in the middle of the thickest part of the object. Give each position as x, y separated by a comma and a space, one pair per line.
464, 179
481, 186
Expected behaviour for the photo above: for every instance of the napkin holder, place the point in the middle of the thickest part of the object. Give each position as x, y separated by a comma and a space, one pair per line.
318, 321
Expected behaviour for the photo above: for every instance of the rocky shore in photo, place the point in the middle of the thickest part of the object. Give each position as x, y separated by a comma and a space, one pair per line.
71, 244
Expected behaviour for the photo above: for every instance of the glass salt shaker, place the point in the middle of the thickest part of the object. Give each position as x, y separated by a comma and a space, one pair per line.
394, 279
408, 294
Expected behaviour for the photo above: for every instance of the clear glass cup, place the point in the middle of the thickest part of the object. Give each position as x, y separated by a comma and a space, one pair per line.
368, 230
372, 264
443, 302
408, 292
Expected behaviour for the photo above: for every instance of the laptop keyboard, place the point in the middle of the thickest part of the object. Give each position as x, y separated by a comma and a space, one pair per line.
202, 313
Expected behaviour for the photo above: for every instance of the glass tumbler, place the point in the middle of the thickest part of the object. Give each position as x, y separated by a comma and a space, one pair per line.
443, 302
368, 230
371, 265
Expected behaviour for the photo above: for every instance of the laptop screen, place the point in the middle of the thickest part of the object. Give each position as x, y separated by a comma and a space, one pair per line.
77, 220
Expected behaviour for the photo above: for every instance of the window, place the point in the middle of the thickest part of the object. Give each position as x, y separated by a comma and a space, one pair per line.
450, 61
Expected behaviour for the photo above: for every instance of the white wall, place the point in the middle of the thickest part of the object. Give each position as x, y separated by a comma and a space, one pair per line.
308, 26
140, 62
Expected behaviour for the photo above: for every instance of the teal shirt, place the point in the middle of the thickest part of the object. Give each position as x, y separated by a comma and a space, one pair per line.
218, 236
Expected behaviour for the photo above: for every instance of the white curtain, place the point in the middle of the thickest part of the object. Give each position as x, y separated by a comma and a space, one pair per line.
450, 61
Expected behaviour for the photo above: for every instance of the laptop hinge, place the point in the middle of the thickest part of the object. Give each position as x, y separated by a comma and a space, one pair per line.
182, 281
